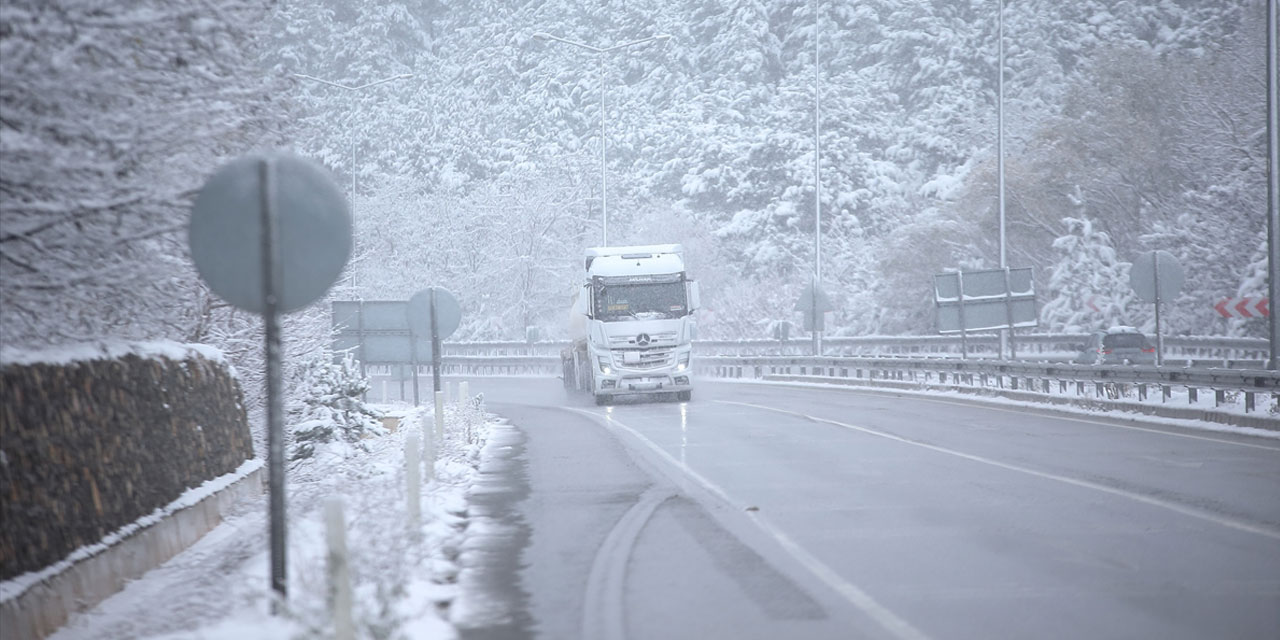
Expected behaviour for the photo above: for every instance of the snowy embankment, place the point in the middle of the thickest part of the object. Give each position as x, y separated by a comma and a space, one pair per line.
403, 577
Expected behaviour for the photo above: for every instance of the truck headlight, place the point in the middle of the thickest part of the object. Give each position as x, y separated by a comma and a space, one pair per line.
682, 362
604, 365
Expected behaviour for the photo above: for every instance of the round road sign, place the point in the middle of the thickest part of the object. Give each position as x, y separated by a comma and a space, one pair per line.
1142, 276
448, 313
312, 231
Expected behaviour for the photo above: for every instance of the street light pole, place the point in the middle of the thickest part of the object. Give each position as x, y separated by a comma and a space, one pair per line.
357, 88
1005, 346
1273, 184
600, 51
817, 182
402, 76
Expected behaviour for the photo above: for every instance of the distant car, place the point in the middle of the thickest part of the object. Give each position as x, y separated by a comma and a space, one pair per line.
1117, 345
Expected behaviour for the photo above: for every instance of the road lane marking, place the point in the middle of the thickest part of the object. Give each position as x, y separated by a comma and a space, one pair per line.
977, 403
603, 606
1166, 504
856, 596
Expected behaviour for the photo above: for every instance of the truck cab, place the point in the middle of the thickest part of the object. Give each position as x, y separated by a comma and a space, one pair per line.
633, 324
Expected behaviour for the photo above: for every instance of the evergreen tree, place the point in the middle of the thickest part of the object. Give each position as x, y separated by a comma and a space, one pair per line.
332, 408
1087, 271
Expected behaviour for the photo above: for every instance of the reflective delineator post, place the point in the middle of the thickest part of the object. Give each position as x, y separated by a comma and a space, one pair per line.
340, 599
429, 452
439, 416
413, 480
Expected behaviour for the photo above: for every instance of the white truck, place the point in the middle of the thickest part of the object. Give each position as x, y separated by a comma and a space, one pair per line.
632, 324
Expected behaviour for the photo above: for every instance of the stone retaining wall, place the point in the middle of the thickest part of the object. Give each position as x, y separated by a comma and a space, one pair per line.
91, 445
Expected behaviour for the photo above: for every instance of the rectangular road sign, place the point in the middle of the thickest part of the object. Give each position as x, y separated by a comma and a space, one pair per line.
377, 333
982, 301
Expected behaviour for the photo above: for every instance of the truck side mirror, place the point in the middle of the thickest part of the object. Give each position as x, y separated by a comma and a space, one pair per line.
582, 302
694, 302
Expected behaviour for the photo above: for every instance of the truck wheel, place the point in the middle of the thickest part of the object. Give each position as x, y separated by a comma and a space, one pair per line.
684, 396
602, 401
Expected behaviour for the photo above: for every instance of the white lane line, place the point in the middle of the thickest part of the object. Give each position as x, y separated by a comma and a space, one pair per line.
603, 606
856, 596
1157, 502
978, 404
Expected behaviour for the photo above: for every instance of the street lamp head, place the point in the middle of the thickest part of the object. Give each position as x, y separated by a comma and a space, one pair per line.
542, 35
662, 36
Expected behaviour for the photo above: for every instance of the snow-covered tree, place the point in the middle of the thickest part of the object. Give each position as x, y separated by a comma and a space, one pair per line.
113, 115
1087, 272
331, 408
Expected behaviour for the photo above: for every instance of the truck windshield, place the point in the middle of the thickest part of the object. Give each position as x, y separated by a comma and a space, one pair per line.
648, 301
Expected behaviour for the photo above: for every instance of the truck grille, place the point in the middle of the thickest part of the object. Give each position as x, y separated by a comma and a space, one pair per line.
649, 359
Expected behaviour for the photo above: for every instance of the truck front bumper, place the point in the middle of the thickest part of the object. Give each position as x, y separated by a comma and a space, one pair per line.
623, 382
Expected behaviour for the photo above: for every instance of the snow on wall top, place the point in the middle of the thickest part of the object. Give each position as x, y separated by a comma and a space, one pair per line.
108, 350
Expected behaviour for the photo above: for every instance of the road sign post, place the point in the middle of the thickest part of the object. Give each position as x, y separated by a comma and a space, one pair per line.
270, 234
989, 300
1156, 276
432, 312
413, 364
435, 342
814, 304
275, 408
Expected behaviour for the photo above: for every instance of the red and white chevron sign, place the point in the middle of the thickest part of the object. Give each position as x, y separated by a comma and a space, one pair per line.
1242, 308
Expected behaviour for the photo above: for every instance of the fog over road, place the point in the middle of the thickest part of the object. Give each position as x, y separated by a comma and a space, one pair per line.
768, 511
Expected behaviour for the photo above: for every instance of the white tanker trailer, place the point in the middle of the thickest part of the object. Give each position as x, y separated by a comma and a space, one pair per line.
632, 324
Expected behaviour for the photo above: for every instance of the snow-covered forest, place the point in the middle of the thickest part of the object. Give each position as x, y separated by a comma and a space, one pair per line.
1129, 126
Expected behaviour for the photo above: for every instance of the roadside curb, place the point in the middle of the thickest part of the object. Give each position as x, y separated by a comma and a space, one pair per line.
43, 607
982, 396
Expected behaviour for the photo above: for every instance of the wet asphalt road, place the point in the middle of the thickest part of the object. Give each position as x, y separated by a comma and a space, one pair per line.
763, 511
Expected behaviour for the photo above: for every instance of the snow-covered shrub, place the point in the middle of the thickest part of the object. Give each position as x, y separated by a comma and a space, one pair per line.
332, 408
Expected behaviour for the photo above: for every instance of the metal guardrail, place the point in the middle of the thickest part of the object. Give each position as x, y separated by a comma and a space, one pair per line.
1176, 347
1226, 385
1099, 380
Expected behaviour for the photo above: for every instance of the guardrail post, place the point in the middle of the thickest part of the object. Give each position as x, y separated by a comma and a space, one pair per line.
1192, 395
1248, 401
1142, 391
1165, 393
1219, 396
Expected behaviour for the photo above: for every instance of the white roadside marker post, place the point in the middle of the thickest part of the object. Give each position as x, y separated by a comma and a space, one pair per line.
440, 416
340, 599
413, 480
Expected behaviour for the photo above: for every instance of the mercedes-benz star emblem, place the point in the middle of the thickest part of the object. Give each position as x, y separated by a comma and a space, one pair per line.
643, 339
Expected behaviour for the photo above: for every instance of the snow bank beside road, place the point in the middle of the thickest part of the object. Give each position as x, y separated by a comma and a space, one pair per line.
404, 581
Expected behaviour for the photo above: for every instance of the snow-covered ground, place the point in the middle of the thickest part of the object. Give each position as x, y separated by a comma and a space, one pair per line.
403, 578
